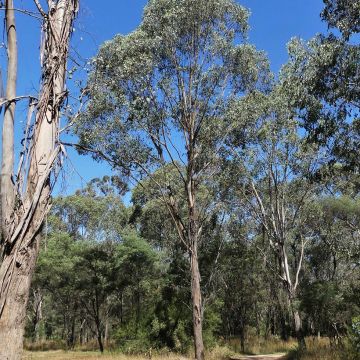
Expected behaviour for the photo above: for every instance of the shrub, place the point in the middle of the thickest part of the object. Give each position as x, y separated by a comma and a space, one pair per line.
354, 339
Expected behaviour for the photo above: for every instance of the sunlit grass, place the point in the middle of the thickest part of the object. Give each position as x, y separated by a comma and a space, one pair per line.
320, 349
317, 349
255, 345
219, 353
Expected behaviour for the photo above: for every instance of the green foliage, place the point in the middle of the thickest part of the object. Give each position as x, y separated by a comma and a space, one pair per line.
343, 14
321, 80
135, 88
212, 323
355, 337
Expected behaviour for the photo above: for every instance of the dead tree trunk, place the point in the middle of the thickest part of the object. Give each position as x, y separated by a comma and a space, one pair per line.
22, 219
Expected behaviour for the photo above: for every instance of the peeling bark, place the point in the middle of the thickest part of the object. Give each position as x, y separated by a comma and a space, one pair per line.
21, 237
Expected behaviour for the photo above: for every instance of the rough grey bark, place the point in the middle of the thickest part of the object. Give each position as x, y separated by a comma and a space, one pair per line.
33, 181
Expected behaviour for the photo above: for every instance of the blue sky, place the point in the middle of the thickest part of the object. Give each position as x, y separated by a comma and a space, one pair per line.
273, 23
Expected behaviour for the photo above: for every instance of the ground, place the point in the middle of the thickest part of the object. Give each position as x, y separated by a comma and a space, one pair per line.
260, 357
62, 355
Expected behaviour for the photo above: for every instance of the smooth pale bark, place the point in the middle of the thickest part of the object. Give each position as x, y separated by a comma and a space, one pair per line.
37, 306
22, 244
7, 166
274, 225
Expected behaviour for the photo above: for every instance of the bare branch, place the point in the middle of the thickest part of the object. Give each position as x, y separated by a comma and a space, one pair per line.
38, 5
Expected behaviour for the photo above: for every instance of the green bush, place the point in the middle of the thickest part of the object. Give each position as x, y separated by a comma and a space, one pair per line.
132, 338
354, 337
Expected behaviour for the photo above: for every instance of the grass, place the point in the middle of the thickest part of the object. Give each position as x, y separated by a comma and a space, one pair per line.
317, 349
257, 346
76, 355
49, 350
219, 353
320, 349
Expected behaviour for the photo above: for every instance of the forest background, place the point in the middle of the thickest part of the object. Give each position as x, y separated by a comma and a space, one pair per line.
271, 248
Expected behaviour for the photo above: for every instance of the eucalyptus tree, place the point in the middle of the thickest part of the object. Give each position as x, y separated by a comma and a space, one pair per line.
25, 194
94, 271
270, 171
344, 15
96, 212
157, 97
332, 266
322, 78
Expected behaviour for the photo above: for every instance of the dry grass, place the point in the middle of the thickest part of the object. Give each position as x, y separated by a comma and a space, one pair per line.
319, 349
257, 346
219, 353
62, 355
316, 350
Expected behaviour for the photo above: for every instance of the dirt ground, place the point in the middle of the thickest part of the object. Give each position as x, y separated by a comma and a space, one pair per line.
261, 357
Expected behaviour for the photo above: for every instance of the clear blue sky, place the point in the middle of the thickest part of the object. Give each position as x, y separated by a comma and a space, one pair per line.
273, 23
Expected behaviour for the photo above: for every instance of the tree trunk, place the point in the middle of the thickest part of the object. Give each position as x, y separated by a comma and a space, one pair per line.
38, 301
81, 332
23, 221
197, 306
299, 329
71, 338
7, 192
106, 331
242, 337
12, 319
99, 335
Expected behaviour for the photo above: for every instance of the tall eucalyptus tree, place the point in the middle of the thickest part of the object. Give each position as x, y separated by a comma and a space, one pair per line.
157, 99
271, 168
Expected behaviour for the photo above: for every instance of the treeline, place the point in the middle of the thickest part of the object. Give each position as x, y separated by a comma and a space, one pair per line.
117, 275
245, 188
